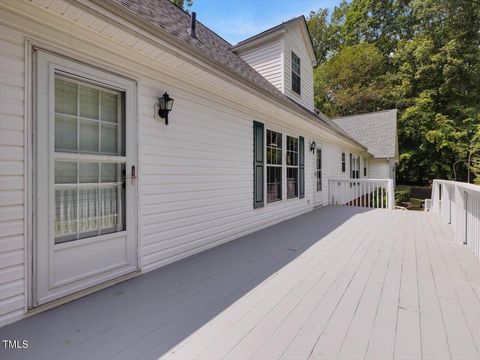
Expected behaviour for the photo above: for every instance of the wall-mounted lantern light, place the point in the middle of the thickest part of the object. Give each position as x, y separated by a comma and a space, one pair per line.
164, 106
313, 146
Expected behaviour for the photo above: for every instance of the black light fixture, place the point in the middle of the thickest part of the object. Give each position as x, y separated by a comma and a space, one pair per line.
165, 104
313, 146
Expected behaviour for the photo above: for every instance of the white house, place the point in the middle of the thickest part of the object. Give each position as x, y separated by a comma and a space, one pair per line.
96, 188
378, 132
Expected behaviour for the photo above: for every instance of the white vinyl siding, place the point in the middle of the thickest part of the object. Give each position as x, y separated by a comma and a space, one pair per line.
379, 169
194, 176
12, 180
267, 60
273, 60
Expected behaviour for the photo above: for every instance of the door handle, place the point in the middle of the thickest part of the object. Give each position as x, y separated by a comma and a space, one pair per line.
132, 177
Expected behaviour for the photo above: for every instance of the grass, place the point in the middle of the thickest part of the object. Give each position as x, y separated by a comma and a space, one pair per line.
415, 201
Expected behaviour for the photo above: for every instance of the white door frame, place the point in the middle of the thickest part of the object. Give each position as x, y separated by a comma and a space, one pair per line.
94, 74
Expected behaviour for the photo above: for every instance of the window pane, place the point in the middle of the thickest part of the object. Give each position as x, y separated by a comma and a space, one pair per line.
278, 157
109, 139
65, 97
110, 172
292, 151
278, 140
112, 209
86, 204
295, 63
319, 180
274, 147
84, 210
88, 172
88, 136
109, 107
292, 176
65, 172
269, 155
274, 183
88, 212
65, 133
65, 215
88, 102
296, 83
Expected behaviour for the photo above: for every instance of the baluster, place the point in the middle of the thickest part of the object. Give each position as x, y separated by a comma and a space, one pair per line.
363, 194
355, 194
383, 197
369, 190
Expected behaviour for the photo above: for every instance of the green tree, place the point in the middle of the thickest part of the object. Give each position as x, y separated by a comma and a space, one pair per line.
182, 3
420, 56
318, 26
351, 81
436, 85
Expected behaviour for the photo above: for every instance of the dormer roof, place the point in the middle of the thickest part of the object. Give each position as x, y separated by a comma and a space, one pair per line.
278, 30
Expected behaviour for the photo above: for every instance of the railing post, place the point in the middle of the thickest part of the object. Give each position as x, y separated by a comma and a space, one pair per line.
460, 214
436, 197
391, 194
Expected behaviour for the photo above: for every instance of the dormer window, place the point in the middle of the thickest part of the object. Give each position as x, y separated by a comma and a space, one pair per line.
296, 79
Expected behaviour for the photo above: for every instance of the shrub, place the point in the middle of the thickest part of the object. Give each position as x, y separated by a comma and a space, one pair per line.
402, 196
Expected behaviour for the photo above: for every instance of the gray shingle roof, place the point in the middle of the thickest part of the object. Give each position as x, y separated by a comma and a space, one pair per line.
377, 131
174, 21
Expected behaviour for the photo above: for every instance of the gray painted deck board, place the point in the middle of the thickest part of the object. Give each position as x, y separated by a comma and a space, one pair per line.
337, 282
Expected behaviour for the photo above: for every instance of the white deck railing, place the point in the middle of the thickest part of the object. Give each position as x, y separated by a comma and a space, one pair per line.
459, 205
372, 193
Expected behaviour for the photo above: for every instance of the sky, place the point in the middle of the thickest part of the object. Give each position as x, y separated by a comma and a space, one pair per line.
236, 20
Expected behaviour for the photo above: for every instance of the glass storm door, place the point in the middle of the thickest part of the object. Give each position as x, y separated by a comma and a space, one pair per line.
85, 178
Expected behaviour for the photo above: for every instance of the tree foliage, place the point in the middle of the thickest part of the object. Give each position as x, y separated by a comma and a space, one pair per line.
351, 82
419, 56
183, 3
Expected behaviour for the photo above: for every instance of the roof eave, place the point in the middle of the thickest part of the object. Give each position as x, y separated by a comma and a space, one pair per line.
129, 15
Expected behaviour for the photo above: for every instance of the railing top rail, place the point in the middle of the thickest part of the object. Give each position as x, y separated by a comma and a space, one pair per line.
358, 180
465, 186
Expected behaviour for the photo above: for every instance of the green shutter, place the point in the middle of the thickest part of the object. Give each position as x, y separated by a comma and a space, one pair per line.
301, 167
258, 165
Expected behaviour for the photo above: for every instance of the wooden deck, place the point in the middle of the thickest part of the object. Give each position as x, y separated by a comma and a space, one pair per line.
338, 282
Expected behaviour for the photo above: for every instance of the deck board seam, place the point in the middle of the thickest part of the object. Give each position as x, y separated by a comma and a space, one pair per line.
415, 239
437, 294
389, 253
382, 293
437, 240
346, 288
329, 237
345, 237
